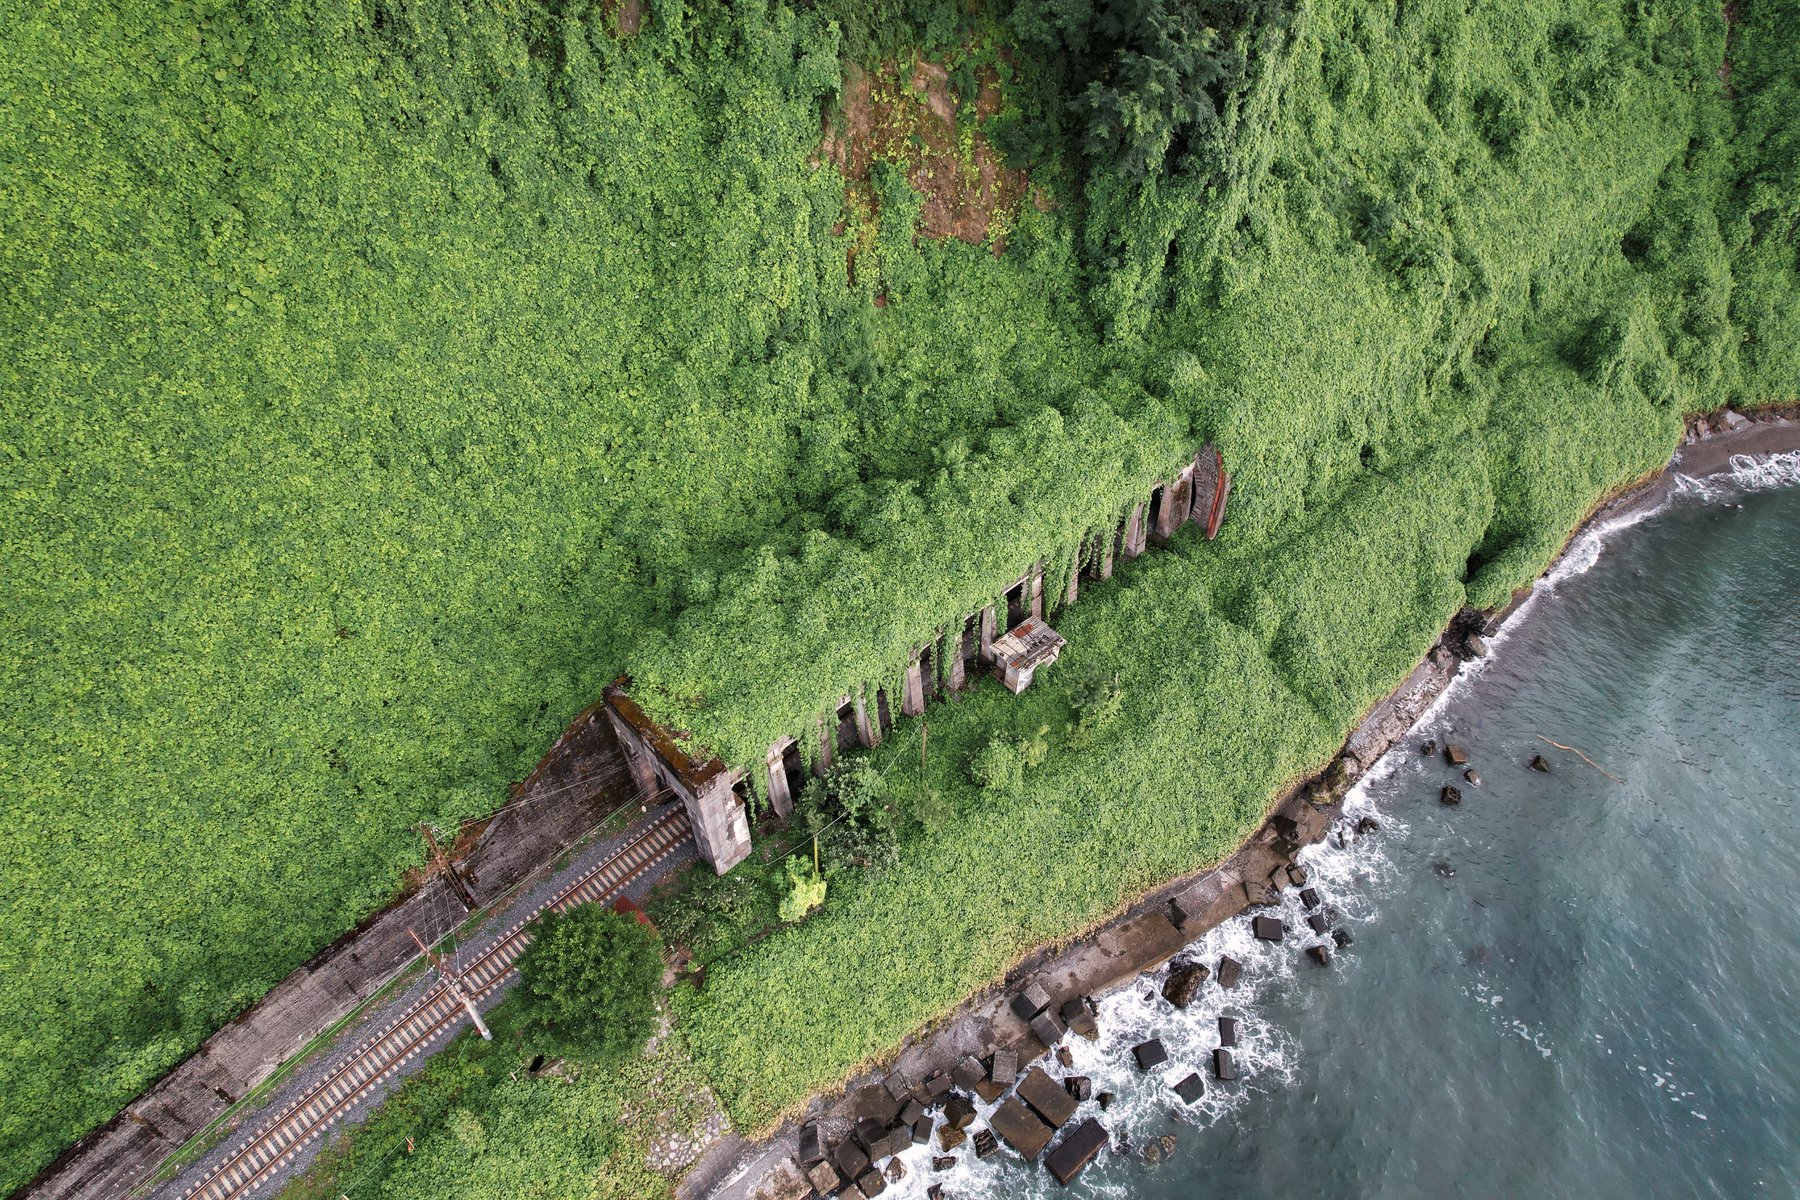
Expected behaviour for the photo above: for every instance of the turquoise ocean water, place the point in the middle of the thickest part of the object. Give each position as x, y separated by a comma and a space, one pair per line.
1566, 986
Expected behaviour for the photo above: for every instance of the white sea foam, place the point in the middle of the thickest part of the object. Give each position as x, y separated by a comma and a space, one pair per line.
1145, 1105
1349, 881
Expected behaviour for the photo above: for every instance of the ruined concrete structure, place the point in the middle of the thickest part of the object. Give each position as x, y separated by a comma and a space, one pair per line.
717, 796
712, 793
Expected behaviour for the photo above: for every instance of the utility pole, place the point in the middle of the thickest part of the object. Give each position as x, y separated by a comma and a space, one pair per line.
453, 983
463, 894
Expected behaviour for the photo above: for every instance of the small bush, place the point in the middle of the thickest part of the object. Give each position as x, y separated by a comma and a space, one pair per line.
587, 985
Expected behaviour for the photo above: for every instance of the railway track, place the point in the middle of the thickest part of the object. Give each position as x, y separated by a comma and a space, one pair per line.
371, 1064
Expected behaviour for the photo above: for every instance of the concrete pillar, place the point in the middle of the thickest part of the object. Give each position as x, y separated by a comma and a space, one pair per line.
1074, 588
912, 692
1206, 485
823, 763
1037, 591
988, 633
643, 771
1112, 540
1135, 529
721, 830
1174, 508
953, 656
867, 731
780, 799
1218, 507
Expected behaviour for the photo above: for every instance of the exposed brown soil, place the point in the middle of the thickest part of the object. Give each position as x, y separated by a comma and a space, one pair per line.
626, 16
907, 114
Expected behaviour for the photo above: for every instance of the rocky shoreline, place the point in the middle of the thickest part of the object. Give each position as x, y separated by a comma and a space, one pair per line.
999, 1033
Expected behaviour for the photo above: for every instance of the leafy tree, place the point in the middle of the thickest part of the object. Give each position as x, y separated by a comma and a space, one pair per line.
806, 890
588, 983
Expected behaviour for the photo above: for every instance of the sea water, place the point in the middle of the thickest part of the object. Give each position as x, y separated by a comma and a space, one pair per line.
1582, 983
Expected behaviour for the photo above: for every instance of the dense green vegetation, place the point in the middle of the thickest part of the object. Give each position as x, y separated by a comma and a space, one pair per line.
379, 381
481, 1122
587, 985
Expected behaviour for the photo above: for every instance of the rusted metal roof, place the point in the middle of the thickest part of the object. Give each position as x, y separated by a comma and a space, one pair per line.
1031, 643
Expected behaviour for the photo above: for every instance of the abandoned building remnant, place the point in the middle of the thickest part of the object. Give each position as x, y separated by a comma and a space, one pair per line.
712, 793
1019, 654
1009, 637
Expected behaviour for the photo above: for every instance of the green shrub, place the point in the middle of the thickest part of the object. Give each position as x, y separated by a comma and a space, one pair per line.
588, 984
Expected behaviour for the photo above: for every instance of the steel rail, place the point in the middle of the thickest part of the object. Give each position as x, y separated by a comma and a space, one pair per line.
376, 1060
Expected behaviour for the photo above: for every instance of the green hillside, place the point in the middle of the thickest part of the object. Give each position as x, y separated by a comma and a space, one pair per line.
380, 380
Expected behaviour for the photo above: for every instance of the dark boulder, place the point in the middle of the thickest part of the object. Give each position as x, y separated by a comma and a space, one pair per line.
1472, 777
1319, 954
1451, 795
1368, 825
1538, 763
1429, 748
1342, 938
1080, 1087
1183, 983
950, 1137
1105, 1099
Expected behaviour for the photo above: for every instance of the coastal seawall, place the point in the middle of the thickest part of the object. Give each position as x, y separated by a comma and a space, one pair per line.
1159, 925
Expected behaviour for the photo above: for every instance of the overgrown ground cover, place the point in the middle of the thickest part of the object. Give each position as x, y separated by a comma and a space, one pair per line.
380, 382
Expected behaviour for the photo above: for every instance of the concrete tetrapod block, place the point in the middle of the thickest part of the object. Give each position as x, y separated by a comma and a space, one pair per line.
850, 1158
1230, 971
1317, 923
1150, 1054
912, 1111
1309, 897
1319, 954
1267, 929
1046, 1098
959, 1110
1224, 1066
938, 1084
1191, 1088
812, 1146
968, 1072
1030, 1002
897, 1086
871, 1183
985, 1143
1046, 1029
921, 1131
1020, 1128
1228, 1029
824, 1178
1076, 1151
1005, 1068
950, 1137
1455, 755
869, 1134
942, 1162
1080, 1087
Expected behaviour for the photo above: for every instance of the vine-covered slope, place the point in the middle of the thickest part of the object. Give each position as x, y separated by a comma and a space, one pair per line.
382, 379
